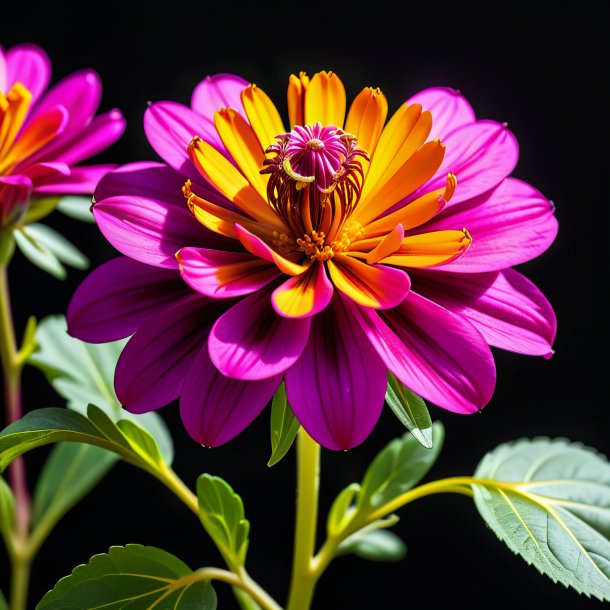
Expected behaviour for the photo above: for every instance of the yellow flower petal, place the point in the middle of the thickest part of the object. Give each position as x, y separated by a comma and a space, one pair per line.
325, 100
297, 85
262, 114
366, 117
387, 246
14, 111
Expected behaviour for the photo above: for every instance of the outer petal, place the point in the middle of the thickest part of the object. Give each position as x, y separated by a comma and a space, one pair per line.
155, 361
434, 352
29, 65
216, 92
509, 226
15, 192
80, 181
449, 109
337, 388
509, 311
214, 408
118, 297
251, 341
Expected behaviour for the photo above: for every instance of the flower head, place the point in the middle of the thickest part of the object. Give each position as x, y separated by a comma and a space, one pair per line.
324, 255
44, 135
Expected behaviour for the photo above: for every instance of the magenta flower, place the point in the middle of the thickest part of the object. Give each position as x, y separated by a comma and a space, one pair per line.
44, 136
325, 256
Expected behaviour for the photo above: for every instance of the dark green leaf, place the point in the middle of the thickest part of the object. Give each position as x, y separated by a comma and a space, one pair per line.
221, 511
38, 254
39, 208
549, 501
7, 509
78, 208
284, 426
411, 410
57, 244
133, 577
374, 545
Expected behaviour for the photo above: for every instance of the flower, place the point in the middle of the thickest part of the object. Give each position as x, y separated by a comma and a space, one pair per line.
324, 255
43, 136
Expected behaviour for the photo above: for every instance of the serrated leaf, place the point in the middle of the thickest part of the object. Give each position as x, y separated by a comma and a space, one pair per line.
134, 577
38, 254
65, 251
284, 426
39, 208
374, 545
397, 468
410, 409
7, 509
78, 208
549, 501
221, 511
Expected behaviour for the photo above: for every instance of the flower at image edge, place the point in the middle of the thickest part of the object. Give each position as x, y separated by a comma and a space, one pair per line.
324, 255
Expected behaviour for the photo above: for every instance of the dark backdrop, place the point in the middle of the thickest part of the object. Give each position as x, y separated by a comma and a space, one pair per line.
542, 69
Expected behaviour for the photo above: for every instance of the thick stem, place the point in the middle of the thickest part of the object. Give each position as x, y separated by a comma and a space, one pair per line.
20, 579
304, 579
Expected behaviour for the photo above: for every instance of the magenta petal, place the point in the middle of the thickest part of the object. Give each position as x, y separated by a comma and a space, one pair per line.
14, 193
80, 181
29, 65
155, 361
509, 311
510, 225
118, 297
434, 352
147, 230
39, 172
214, 408
449, 108
221, 274
337, 387
250, 341
216, 92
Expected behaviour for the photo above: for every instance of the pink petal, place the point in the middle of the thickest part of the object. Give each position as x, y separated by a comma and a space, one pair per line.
216, 92
449, 108
80, 181
510, 225
15, 194
434, 352
155, 361
337, 387
214, 408
41, 172
221, 274
29, 65
251, 341
3, 88
508, 310
118, 297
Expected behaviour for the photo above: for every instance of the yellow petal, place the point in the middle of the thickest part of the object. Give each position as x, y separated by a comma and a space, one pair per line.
366, 117
325, 100
304, 295
16, 105
430, 249
262, 114
388, 245
297, 85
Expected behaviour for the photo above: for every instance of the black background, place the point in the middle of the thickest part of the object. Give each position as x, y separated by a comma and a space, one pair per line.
543, 69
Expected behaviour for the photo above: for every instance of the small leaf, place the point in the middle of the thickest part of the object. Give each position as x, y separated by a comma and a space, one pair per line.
28, 343
221, 511
411, 410
135, 577
141, 442
55, 242
549, 501
374, 545
3, 602
284, 426
78, 208
38, 254
7, 510
340, 514
39, 208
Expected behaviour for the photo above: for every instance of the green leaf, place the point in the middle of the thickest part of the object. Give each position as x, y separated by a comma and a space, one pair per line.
284, 426
39, 208
7, 510
549, 501
342, 509
397, 468
135, 577
411, 410
56, 243
374, 545
221, 511
78, 208
3, 602
38, 254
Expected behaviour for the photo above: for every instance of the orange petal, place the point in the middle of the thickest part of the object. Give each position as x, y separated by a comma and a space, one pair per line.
325, 100
297, 85
368, 285
304, 295
430, 249
366, 117
262, 114
16, 105
388, 245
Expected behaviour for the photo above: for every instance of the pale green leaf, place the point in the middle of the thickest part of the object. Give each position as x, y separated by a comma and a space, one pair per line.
284, 426
342, 509
221, 511
7, 509
134, 577
410, 409
549, 501
38, 254
39, 208
78, 208
374, 545
57, 244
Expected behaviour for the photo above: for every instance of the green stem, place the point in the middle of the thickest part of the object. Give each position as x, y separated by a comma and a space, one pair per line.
20, 579
304, 579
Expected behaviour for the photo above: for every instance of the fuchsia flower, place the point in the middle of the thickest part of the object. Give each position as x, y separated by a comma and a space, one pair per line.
43, 136
323, 255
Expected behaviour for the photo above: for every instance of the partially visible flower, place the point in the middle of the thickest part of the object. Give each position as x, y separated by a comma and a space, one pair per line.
44, 136
323, 255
